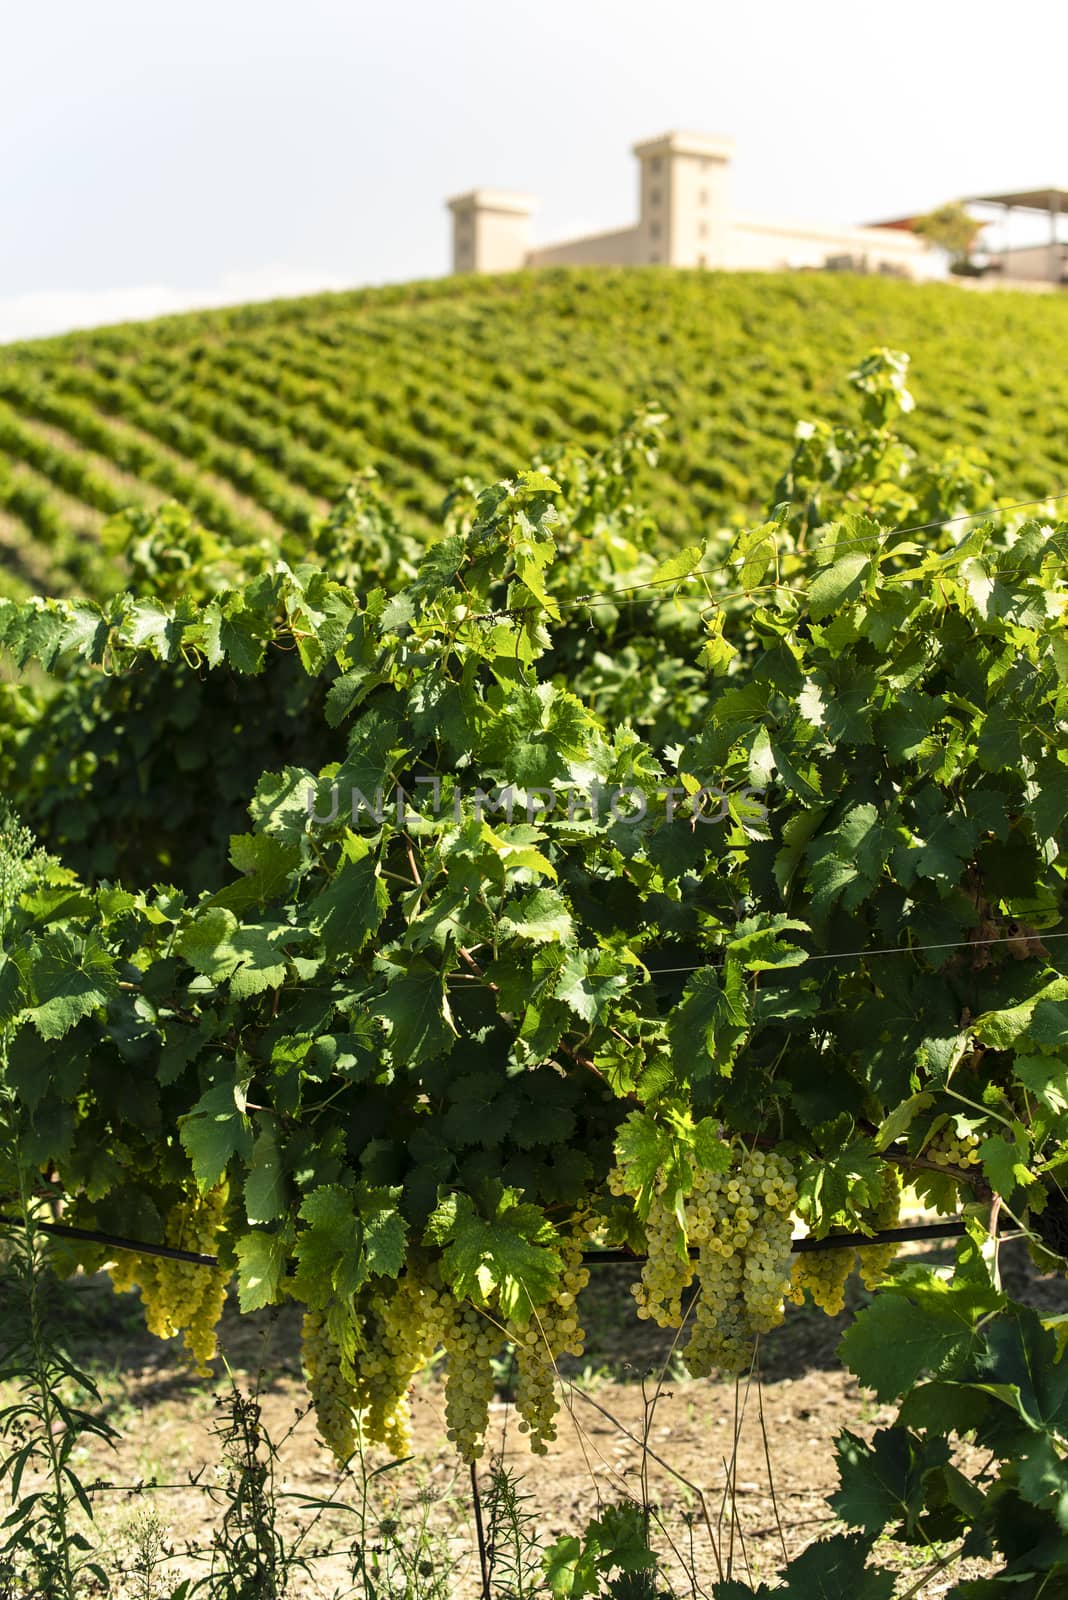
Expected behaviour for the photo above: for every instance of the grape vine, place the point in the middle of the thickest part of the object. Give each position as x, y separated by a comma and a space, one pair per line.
382, 941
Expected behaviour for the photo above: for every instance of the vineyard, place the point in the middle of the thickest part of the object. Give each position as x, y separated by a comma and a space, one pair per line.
257, 419
652, 855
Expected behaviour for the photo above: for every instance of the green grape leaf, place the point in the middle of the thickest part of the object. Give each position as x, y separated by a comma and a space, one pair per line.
414, 1009
265, 1185
894, 1341
706, 1029
1005, 1163
543, 917
68, 979
1000, 1029
243, 635
1021, 1367
583, 989
940, 1407
217, 945
838, 584
837, 1569
1049, 1023
642, 1149
329, 1252
882, 1481
280, 805
1042, 1474
261, 1263
831, 1183
267, 863
385, 1237
205, 943
349, 910
261, 965
1043, 1076
215, 1130
679, 565
570, 1568
513, 1254
621, 1537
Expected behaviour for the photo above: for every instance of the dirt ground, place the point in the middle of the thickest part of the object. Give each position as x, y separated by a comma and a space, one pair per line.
737, 1474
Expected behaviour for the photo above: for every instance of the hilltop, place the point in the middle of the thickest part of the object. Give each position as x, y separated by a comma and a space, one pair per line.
257, 417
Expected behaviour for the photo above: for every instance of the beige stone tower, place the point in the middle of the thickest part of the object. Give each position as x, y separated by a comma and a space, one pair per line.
490, 230
684, 200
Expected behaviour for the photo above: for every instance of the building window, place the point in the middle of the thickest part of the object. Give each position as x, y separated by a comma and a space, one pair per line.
654, 194
654, 230
702, 198
654, 167
702, 230
704, 166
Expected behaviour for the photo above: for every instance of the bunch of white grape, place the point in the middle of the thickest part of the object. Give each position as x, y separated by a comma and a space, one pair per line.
667, 1270
824, 1273
949, 1148
471, 1338
553, 1331
180, 1296
876, 1258
740, 1221
721, 1335
390, 1332
396, 1329
332, 1393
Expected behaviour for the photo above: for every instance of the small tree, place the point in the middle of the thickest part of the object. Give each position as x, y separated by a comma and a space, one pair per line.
953, 228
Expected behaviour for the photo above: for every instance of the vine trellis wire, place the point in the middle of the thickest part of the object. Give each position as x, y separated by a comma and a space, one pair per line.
952, 1228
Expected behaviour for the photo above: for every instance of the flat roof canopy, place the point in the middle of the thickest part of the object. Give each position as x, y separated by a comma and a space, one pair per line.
1026, 200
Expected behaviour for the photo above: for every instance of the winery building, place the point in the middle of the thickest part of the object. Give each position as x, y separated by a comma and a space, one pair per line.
685, 219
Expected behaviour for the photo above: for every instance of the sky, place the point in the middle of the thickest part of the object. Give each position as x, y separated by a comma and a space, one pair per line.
161, 155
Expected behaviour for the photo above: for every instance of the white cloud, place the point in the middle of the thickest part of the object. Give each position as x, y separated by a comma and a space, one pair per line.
38, 313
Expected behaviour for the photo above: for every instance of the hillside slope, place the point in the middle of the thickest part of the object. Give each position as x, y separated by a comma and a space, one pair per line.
257, 417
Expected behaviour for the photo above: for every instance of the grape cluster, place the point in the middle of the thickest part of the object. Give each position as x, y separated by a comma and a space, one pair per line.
553, 1331
390, 1332
123, 1272
740, 1221
722, 1335
332, 1393
360, 1360
876, 1258
951, 1149
667, 1270
180, 1296
471, 1339
396, 1331
824, 1273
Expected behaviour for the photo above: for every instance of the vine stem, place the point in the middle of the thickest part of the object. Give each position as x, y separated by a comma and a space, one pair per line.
483, 1554
987, 1111
925, 1164
939, 1566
